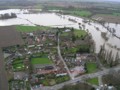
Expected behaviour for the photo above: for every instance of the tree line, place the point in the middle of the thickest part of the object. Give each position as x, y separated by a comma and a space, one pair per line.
8, 16
108, 58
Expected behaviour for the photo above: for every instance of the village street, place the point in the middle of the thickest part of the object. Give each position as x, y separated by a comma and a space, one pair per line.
61, 58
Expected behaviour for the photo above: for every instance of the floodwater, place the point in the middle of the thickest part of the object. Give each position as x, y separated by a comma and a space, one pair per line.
54, 20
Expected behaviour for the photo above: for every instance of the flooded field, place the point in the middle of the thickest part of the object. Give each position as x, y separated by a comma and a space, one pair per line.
54, 20
107, 18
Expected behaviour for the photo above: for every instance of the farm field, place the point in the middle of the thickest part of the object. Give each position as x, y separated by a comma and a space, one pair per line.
116, 14
81, 13
9, 36
111, 18
30, 28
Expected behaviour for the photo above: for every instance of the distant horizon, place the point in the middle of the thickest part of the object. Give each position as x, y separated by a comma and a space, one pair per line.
70, 0
81, 0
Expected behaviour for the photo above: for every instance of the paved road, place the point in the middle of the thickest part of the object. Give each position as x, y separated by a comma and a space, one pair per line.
3, 77
61, 58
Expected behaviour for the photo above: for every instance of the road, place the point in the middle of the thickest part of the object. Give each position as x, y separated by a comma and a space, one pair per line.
3, 75
81, 78
61, 58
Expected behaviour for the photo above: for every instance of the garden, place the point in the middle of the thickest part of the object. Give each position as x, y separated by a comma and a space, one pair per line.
51, 79
18, 65
91, 67
93, 81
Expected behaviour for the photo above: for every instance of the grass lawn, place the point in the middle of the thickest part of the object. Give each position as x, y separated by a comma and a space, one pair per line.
52, 82
45, 82
30, 28
93, 81
39, 55
48, 81
19, 66
65, 33
80, 33
62, 79
17, 61
80, 48
71, 50
41, 60
91, 67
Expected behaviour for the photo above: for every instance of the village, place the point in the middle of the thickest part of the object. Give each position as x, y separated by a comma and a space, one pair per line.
59, 44
37, 63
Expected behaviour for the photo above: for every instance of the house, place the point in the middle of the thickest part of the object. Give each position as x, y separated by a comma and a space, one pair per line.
61, 74
30, 46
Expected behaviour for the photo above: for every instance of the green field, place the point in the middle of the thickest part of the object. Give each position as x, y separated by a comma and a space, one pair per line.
116, 14
82, 13
77, 33
71, 11
41, 60
91, 67
30, 28
80, 33
93, 81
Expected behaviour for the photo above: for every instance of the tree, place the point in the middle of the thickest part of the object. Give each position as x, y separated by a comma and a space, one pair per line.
13, 15
8, 16
112, 79
116, 60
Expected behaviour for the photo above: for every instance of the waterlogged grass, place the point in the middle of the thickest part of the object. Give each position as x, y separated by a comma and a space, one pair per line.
30, 28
